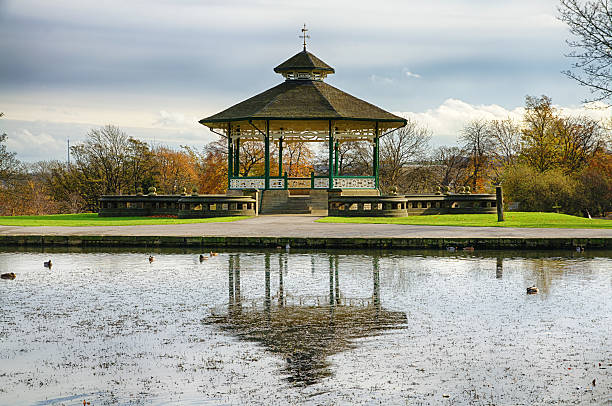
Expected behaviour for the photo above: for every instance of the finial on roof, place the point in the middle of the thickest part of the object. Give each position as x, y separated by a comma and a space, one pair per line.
304, 35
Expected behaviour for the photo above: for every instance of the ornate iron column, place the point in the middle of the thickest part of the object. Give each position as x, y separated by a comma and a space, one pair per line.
267, 156
331, 157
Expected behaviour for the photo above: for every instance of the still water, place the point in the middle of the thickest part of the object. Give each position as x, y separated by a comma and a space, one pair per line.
297, 327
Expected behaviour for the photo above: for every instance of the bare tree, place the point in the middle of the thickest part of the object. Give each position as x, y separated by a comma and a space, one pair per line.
506, 138
478, 144
591, 25
9, 165
400, 149
452, 163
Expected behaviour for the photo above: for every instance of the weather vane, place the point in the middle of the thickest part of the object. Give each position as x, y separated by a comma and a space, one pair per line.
304, 35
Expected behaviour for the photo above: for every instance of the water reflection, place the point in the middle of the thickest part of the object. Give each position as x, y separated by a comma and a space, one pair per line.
302, 329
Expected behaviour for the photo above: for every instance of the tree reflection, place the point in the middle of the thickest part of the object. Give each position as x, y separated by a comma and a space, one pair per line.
305, 335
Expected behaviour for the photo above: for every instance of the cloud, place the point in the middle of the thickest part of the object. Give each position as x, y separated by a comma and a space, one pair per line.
174, 120
409, 74
380, 80
447, 120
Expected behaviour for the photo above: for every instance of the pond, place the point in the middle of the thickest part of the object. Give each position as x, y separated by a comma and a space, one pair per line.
286, 326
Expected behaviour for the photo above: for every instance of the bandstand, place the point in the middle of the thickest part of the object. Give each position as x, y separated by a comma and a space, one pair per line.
302, 109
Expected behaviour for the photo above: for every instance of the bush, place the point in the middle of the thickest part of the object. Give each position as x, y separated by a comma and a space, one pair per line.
540, 191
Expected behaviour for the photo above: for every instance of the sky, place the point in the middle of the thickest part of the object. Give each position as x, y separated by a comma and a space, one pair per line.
155, 67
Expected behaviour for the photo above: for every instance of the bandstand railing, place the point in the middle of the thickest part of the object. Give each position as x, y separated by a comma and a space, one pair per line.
311, 182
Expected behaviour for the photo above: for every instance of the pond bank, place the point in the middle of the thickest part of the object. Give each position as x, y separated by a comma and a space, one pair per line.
304, 232
295, 242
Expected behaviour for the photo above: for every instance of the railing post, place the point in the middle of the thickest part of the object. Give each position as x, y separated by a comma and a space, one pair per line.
286, 181
312, 180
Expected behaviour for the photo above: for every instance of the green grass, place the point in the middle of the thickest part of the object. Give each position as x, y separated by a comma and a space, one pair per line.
92, 219
512, 219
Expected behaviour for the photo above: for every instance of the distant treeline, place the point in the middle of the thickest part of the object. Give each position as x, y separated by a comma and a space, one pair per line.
545, 162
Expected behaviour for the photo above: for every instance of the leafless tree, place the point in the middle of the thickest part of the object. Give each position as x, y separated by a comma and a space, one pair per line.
478, 144
452, 163
506, 138
591, 25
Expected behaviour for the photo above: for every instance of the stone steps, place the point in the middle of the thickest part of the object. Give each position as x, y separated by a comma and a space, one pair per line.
279, 202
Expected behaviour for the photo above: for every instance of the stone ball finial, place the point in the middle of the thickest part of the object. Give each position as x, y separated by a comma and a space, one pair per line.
138, 191
393, 190
438, 190
194, 191
468, 190
153, 191
446, 189
184, 192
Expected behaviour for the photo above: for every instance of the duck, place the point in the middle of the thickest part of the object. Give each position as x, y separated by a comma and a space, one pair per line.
532, 290
214, 254
151, 258
9, 275
579, 249
48, 264
468, 248
203, 258
451, 249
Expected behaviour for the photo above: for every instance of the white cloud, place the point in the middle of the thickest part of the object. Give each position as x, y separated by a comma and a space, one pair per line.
447, 120
409, 74
380, 80
174, 120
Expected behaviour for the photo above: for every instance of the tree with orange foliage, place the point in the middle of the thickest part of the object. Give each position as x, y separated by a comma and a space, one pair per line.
174, 170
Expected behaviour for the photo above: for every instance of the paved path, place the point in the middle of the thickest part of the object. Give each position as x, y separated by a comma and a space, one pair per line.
305, 226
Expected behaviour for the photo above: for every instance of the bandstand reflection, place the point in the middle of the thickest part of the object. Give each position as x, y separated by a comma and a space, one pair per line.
305, 329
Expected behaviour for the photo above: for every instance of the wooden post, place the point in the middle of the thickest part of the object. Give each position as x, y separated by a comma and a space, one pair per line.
499, 203
331, 157
267, 156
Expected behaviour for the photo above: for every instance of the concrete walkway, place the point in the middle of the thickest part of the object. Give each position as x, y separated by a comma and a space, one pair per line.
304, 226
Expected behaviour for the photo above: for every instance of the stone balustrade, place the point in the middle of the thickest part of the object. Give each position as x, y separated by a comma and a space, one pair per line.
410, 205
181, 206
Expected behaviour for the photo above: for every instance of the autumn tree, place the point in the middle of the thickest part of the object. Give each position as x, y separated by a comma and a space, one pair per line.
590, 23
297, 159
174, 170
539, 149
578, 140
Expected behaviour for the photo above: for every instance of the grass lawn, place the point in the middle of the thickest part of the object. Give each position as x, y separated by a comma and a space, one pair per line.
92, 219
512, 219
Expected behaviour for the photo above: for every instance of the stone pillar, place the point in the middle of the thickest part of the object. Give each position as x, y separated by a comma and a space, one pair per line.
499, 203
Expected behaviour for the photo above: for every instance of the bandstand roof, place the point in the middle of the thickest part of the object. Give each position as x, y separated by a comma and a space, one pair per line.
304, 102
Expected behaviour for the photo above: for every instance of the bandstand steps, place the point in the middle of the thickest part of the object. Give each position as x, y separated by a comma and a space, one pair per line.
274, 204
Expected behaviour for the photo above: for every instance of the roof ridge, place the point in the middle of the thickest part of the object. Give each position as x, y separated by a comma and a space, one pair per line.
323, 96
